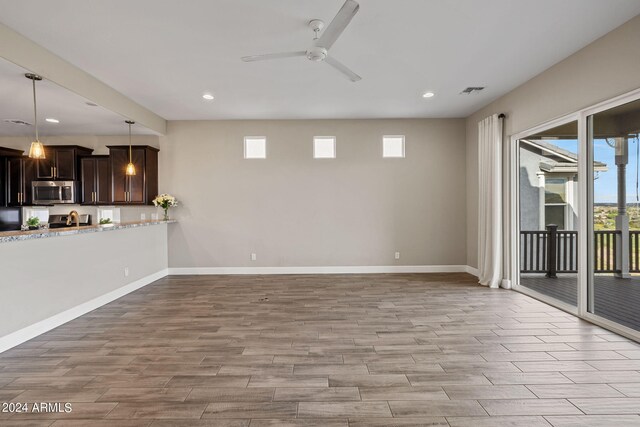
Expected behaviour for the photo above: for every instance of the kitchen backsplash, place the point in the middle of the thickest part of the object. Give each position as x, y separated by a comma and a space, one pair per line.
116, 213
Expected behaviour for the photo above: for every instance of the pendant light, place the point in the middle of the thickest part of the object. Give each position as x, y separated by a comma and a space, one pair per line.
131, 169
36, 151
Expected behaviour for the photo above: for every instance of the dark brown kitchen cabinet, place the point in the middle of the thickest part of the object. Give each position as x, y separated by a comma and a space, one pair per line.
5, 155
95, 180
20, 173
141, 188
61, 162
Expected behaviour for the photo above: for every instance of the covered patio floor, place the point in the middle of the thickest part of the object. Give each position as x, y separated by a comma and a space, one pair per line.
615, 299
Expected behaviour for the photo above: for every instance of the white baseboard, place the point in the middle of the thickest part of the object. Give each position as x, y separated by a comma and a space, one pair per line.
471, 270
32, 331
325, 270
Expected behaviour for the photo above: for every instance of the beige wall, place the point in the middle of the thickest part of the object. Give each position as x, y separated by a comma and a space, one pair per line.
608, 67
293, 210
44, 277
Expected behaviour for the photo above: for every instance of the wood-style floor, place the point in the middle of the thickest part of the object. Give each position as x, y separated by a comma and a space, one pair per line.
349, 350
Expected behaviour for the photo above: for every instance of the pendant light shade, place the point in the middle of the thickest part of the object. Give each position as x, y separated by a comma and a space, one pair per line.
36, 151
131, 169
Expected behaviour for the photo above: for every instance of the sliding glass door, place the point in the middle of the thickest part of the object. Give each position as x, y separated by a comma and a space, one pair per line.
548, 212
614, 227
575, 210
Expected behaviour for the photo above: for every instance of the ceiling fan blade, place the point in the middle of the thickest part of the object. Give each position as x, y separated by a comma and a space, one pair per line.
273, 56
339, 23
342, 68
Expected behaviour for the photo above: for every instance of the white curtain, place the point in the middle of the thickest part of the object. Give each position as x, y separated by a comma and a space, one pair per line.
490, 201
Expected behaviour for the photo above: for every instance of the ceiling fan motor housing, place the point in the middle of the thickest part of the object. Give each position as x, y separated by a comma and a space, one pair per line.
316, 25
317, 54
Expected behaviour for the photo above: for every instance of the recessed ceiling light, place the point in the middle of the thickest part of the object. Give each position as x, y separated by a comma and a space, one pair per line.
428, 95
52, 120
208, 96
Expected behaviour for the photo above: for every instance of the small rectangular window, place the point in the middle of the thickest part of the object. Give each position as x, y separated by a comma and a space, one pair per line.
393, 146
555, 202
555, 214
555, 190
255, 147
324, 147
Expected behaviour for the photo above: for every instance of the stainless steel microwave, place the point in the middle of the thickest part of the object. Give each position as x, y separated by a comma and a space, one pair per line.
53, 192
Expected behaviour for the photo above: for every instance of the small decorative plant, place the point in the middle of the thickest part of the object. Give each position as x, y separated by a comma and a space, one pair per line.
104, 221
165, 201
33, 222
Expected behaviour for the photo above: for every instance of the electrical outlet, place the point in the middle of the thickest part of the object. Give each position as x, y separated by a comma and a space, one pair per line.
143, 216
397, 255
253, 257
126, 272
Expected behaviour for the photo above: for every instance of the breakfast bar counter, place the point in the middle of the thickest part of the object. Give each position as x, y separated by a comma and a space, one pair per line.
18, 235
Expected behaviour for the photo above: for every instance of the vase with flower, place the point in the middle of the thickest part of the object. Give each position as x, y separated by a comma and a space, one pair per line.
165, 201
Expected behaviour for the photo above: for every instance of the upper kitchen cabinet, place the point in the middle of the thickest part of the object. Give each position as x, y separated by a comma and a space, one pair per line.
95, 180
141, 188
20, 172
62, 162
5, 155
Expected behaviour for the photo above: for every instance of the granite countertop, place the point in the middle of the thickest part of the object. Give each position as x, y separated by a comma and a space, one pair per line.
15, 236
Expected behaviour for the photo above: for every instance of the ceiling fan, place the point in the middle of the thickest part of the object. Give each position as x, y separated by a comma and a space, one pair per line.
319, 50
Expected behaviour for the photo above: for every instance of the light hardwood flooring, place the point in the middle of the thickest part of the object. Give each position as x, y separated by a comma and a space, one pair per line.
330, 350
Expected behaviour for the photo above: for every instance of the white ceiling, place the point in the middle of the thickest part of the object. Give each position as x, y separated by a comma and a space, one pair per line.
164, 54
75, 116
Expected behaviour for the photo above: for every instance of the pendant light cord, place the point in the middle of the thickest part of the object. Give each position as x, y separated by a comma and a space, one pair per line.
130, 155
35, 109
